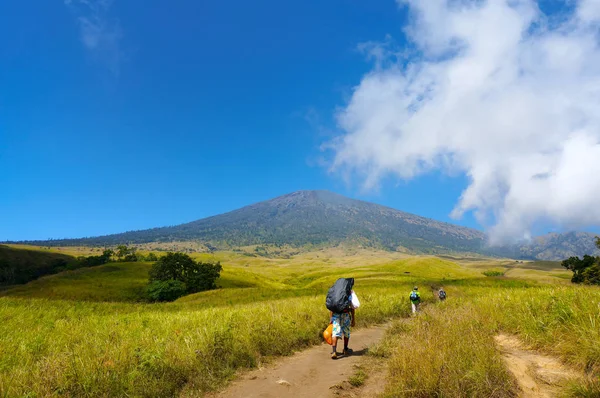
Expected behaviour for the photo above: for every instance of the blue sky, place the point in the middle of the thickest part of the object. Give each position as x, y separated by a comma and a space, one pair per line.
126, 115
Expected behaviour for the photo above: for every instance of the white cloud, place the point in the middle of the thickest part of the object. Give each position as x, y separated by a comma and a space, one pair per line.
497, 91
100, 34
589, 10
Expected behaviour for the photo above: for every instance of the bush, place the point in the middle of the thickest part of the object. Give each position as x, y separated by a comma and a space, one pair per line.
168, 290
493, 273
151, 257
131, 258
591, 275
197, 276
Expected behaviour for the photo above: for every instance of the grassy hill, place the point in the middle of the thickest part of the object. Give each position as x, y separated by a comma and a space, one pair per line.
22, 265
110, 282
81, 333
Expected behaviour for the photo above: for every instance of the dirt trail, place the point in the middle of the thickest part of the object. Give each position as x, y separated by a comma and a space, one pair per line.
309, 373
539, 376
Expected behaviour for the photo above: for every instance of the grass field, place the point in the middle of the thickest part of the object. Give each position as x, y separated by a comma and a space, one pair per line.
85, 333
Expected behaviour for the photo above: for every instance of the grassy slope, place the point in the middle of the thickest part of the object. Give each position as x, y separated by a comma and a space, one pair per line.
449, 351
98, 349
69, 251
86, 348
20, 265
110, 282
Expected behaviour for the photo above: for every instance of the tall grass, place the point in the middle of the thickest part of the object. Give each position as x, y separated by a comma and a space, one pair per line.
444, 352
79, 348
81, 334
448, 350
561, 320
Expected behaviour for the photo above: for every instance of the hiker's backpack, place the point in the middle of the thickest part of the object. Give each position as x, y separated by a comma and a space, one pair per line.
413, 296
442, 295
338, 296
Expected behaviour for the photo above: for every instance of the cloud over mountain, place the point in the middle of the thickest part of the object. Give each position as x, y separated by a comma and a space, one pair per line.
495, 89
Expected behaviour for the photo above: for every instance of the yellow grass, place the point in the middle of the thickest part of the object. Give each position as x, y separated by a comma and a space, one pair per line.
81, 333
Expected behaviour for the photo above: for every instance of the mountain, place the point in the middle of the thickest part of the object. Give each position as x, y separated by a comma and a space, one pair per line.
323, 218
556, 246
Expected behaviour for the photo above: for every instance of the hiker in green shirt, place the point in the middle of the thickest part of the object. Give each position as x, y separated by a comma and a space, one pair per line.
415, 299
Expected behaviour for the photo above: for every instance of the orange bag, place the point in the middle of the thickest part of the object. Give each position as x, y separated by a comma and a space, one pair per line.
327, 334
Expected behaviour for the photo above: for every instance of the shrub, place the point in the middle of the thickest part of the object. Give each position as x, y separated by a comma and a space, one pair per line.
151, 257
493, 273
591, 275
168, 290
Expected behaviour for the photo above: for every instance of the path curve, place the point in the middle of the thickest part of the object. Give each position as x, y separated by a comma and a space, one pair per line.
539, 376
309, 373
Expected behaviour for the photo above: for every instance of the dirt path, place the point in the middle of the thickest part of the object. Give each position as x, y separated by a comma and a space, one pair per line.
310, 373
539, 376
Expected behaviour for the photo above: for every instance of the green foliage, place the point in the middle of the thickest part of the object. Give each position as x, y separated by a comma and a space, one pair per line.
591, 275
169, 290
126, 254
585, 270
151, 257
92, 261
197, 276
493, 273
358, 378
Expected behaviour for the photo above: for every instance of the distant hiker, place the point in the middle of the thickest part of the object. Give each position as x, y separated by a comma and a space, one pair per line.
442, 294
415, 299
341, 312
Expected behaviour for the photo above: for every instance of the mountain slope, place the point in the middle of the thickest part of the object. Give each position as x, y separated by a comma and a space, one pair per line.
325, 218
556, 246
308, 218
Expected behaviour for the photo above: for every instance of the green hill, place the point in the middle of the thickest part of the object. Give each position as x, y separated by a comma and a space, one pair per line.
111, 282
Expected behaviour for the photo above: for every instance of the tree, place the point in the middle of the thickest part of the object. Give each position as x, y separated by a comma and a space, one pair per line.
107, 254
121, 252
197, 276
583, 271
168, 290
598, 242
131, 255
125, 253
151, 257
203, 277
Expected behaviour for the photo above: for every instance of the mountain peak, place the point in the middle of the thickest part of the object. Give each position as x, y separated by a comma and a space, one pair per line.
314, 197
324, 218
